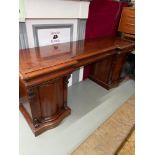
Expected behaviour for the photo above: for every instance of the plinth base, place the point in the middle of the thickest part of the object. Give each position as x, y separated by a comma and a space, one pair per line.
43, 126
103, 84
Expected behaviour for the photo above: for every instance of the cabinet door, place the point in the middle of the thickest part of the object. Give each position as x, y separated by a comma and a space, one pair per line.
107, 71
101, 70
51, 98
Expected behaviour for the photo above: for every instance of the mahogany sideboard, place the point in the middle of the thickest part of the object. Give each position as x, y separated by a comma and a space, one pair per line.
44, 73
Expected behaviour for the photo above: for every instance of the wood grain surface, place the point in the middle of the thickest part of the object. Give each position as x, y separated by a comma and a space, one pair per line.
44, 74
32, 62
127, 21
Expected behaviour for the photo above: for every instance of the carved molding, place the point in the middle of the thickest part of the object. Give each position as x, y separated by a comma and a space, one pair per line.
30, 94
36, 122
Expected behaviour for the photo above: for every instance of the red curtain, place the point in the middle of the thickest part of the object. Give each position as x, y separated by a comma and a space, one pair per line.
103, 20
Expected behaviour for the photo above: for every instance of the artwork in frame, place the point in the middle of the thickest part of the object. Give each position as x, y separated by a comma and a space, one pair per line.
53, 34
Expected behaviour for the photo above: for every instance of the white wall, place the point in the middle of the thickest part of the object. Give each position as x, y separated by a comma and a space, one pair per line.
22, 11
56, 9
30, 22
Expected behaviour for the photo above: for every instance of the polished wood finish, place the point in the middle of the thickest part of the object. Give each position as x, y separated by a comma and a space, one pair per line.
22, 89
44, 74
101, 74
107, 71
127, 22
48, 103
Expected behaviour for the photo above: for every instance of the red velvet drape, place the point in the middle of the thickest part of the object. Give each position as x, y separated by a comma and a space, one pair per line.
103, 20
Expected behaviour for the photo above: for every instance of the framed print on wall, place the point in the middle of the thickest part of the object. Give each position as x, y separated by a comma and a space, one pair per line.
53, 34
48, 34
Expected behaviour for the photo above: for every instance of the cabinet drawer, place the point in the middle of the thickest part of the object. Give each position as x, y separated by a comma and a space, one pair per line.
127, 21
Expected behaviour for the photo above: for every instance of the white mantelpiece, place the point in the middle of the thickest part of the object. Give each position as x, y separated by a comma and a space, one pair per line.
56, 9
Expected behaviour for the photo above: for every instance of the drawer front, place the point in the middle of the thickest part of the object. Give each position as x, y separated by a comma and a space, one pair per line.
127, 21
129, 11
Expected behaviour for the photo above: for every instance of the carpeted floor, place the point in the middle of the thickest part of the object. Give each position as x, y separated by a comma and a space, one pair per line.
113, 137
129, 146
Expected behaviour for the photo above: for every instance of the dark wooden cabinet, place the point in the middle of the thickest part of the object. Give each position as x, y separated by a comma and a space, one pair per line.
43, 80
100, 72
107, 71
48, 104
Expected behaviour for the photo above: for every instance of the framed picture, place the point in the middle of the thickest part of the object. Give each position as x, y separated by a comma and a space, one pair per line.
48, 34
53, 34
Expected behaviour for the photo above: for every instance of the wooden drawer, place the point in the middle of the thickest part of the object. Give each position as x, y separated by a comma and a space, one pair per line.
129, 11
127, 21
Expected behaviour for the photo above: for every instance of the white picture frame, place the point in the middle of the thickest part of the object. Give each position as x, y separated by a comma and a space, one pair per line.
49, 34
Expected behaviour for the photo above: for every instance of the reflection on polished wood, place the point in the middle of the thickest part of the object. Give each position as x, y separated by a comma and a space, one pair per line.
44, 74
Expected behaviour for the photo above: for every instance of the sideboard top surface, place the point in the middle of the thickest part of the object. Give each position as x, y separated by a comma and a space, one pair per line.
66, 54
